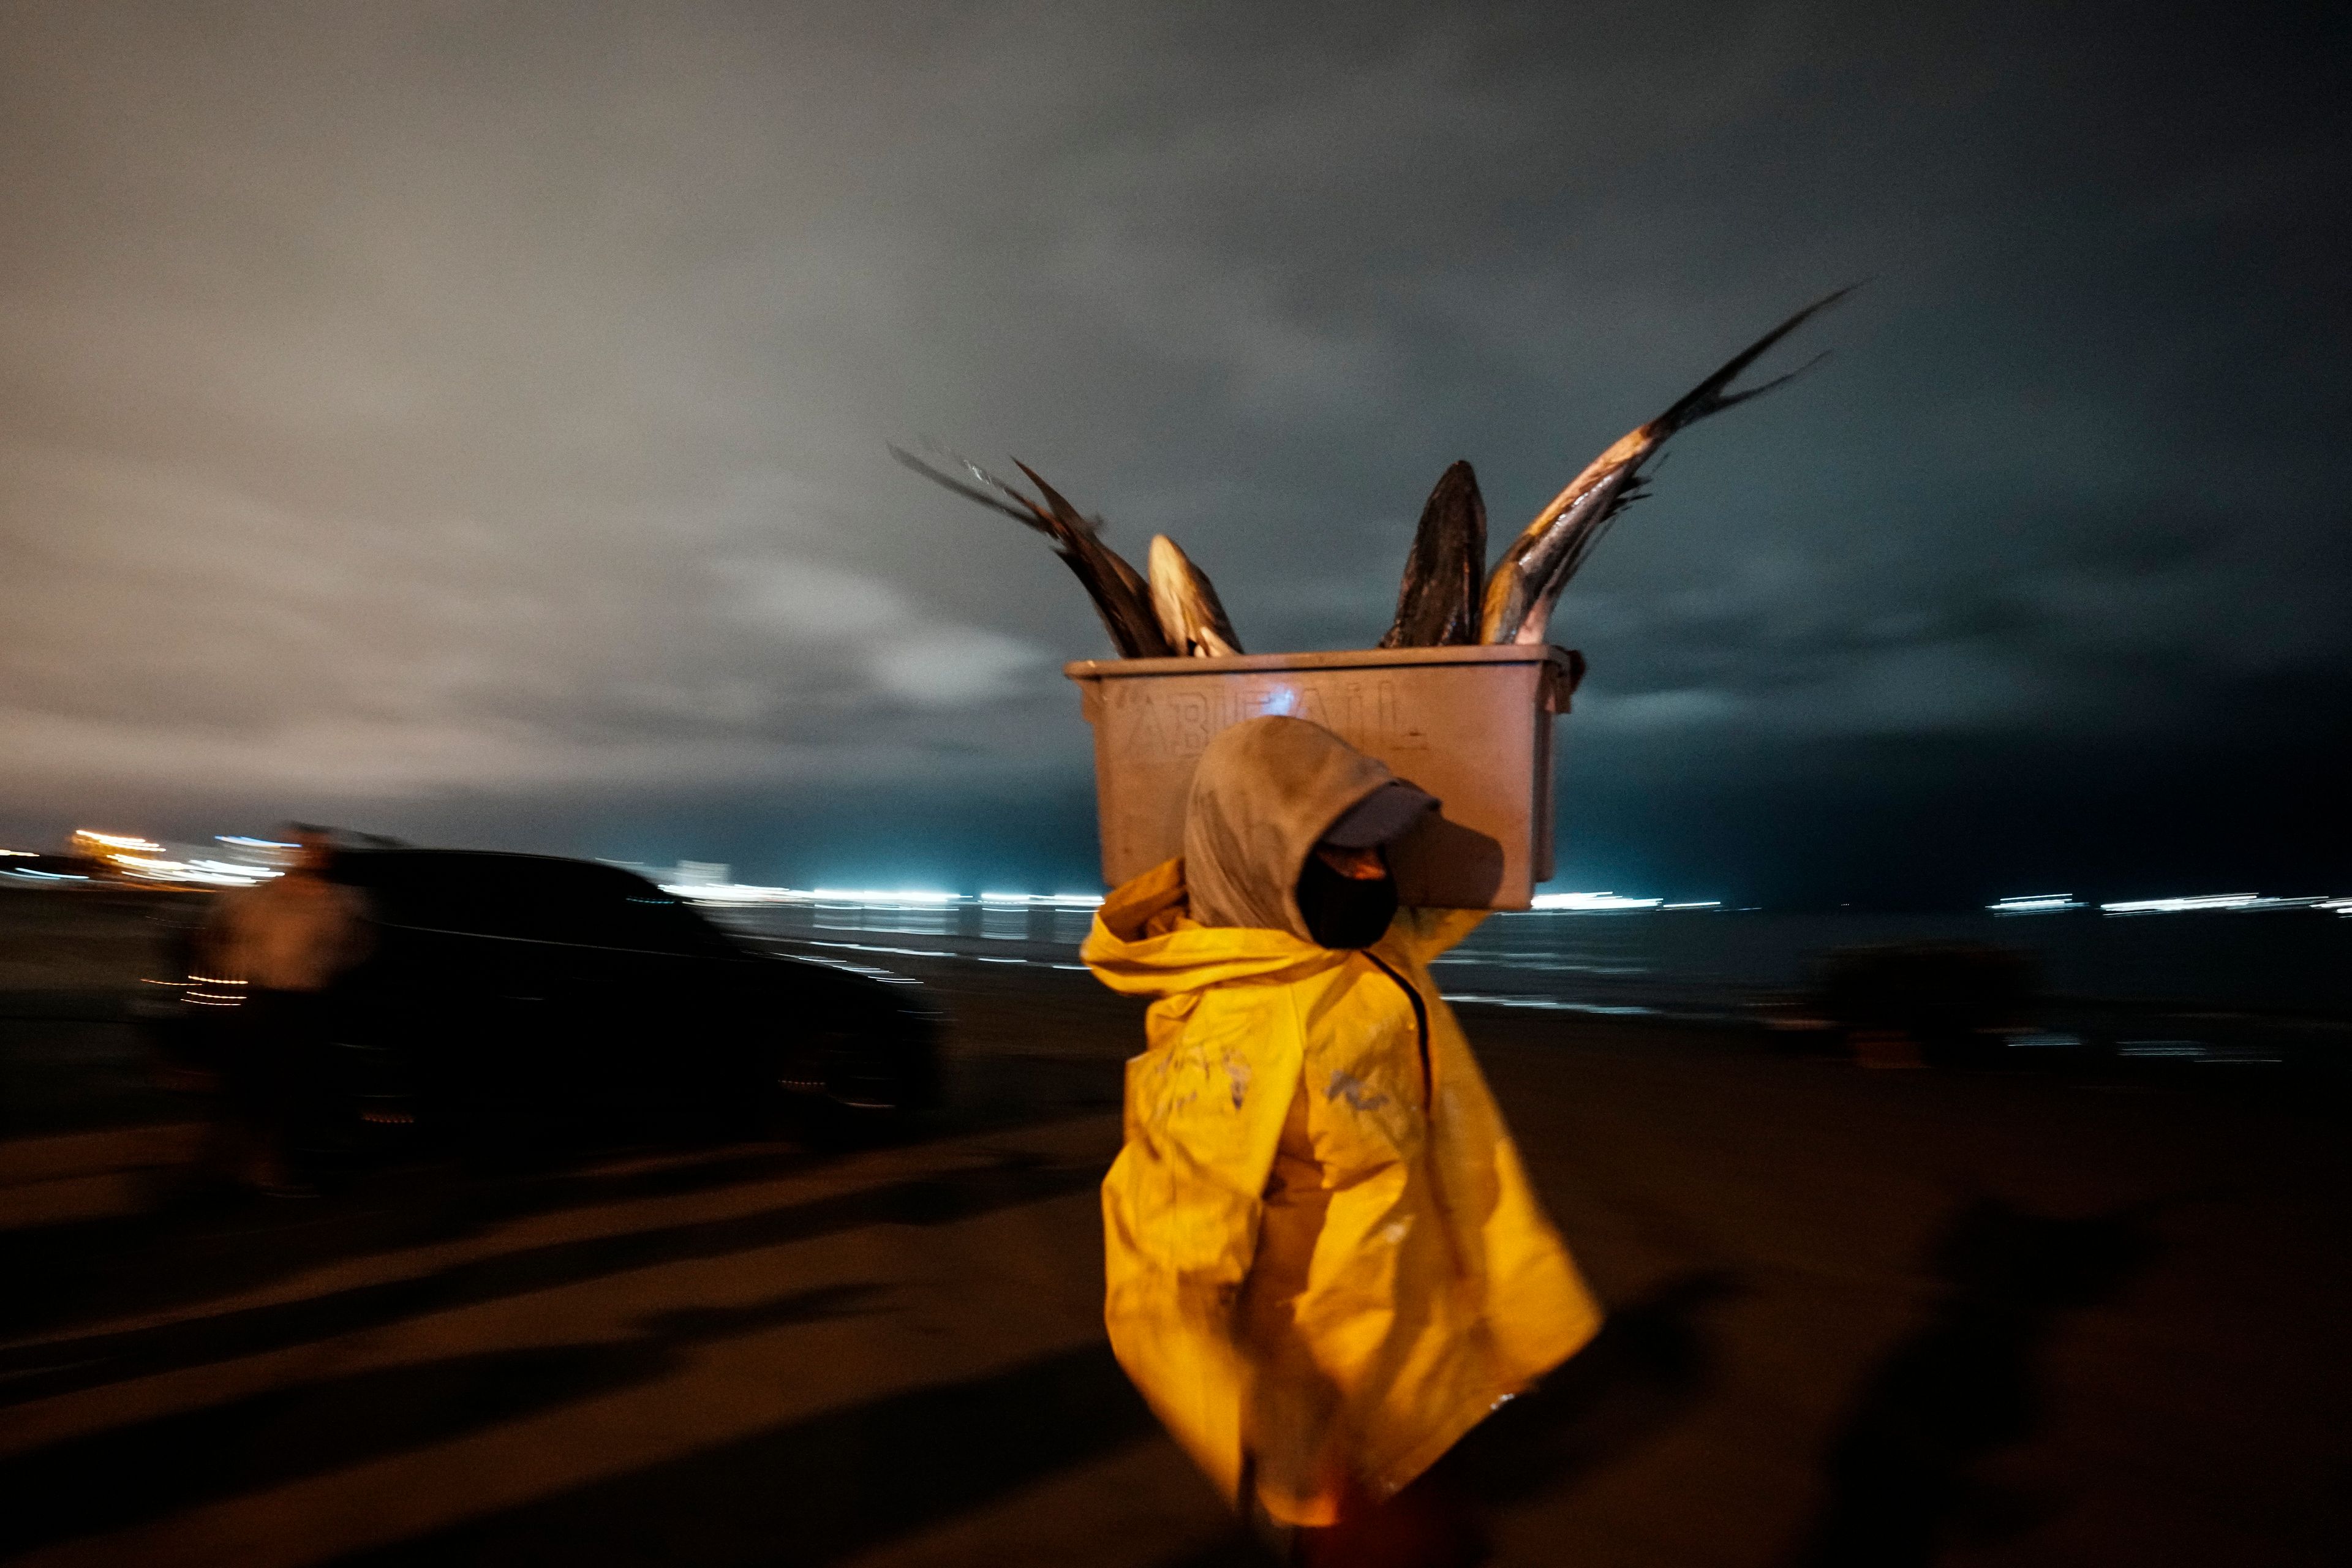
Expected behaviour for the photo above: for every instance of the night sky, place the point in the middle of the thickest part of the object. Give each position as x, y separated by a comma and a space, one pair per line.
468, 422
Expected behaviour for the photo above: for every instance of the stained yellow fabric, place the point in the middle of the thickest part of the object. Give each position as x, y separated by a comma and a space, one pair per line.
1313, 1257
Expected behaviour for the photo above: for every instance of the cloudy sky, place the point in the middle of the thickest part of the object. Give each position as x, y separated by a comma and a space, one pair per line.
467, 421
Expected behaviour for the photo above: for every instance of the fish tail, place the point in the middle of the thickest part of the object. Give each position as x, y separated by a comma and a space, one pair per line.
1709, 396
1026, 511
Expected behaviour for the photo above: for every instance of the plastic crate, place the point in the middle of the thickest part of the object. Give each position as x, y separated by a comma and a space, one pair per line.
1472, 726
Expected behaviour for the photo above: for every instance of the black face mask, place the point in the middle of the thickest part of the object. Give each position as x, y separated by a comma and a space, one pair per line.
1342, 911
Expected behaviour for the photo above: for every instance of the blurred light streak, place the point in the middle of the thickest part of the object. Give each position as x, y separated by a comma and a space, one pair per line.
869, 970
874, 947
734, 893
1591, 904
119, 841
1548, 1004
873, 898
2036, 904
2191, 1048
203, 873
145, 860
885, 898
2212, 902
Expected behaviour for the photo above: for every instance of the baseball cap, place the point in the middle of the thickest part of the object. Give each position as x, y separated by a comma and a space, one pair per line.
1380, 817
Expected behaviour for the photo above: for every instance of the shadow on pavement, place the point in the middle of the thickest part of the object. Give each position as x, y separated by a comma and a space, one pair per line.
131, 1474
1964, 1385
1649, 1366
199, 1245
821, 1489
58, 1366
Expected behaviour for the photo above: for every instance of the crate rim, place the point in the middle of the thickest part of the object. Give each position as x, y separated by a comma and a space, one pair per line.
1340, 658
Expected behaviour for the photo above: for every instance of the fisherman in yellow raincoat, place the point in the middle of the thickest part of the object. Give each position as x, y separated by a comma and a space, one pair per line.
1325, 1262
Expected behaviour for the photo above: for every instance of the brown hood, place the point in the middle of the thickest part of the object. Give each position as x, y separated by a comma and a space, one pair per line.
1265, 790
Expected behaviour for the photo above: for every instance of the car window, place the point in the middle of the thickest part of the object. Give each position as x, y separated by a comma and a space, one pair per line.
458, 893
533, 901
623, 911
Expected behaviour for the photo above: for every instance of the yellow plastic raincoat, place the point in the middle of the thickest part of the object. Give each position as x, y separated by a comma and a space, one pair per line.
1324, 1263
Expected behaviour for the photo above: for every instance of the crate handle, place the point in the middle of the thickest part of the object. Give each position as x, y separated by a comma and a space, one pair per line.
1563, 683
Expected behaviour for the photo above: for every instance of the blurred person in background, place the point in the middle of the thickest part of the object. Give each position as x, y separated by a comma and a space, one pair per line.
1325, 1262
284, 942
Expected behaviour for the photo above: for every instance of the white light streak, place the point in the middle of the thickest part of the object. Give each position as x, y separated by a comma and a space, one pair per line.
886, 898
733, 893
2213, 902
203, 873
1591, 904
119, 841
1549, 1004
2035, 904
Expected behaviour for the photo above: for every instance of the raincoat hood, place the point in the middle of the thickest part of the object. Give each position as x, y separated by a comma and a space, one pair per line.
1265, 791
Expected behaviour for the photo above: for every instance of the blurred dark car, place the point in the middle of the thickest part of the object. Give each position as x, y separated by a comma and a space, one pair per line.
507, 990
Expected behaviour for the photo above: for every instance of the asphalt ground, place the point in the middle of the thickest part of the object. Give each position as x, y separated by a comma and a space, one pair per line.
1857, 1317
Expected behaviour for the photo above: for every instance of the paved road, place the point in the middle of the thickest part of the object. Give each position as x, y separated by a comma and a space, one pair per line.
1879, 1318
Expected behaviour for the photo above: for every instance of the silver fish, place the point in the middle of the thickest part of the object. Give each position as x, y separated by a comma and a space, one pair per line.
1526, 582
1120, 596
1190, 618
1437, 605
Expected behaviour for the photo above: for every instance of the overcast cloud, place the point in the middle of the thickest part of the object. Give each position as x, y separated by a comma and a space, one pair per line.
469, 419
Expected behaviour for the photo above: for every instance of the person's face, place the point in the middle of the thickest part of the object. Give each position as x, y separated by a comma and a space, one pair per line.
1356, 865
1346, 896
315, 854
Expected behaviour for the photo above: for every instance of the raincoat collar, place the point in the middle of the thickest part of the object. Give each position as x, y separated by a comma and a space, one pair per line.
1145, 942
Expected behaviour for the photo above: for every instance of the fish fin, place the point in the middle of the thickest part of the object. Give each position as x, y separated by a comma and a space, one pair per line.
1215, 634
1126, 573
1438, 601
